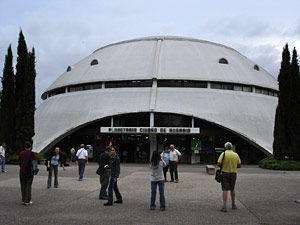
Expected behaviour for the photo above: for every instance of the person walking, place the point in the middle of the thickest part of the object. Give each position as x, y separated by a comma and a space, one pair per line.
26, 175
157, 179
229, 161
72, 155
52, 165
104, 162
165, 156
82, 156
113, 180
175, 157
2, 154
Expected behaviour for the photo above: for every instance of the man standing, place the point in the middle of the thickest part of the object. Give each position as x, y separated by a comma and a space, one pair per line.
105, 170
2, 153
113, 180
229, 161
82, 156
175, 157
165, 156
26, 175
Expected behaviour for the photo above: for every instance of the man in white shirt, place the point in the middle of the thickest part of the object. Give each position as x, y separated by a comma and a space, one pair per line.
82, 156
175, 156
2, 154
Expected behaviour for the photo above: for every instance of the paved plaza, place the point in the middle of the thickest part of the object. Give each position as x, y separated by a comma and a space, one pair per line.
263, 197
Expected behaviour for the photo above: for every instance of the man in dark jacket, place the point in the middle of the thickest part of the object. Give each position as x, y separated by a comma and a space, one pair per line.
114, 175
26, 174
104, 162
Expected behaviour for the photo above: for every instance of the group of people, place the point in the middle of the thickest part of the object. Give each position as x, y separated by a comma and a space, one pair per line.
109, 171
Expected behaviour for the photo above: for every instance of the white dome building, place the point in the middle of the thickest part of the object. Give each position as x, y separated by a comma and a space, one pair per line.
209, 92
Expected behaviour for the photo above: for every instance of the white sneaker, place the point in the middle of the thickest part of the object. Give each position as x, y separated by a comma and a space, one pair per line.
28, 203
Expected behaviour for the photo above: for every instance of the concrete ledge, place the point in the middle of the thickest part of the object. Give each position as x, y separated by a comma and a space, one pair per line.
210, 169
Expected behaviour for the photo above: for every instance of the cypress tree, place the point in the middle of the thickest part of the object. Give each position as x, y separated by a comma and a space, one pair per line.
294, 120
31, 91
22, 133
281, 144
7, 127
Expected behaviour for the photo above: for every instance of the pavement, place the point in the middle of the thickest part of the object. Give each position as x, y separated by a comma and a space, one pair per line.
264, 197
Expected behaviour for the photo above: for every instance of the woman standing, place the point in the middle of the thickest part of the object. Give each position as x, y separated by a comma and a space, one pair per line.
165, 156
157, 179
53, 166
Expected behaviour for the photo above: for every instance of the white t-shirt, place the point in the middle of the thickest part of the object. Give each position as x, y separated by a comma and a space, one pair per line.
81, 153
174, 155
2, 151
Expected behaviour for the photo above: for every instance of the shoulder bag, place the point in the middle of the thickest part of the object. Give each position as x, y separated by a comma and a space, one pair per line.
218, 177
33, 165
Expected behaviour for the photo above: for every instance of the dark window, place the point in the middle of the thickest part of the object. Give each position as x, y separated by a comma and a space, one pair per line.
171, 120
256, 67
181, 83
134, 83
132, 120
223, 61
97, 86
75, 88
258, 90
94, 62
218, 85
247, 88
69, 69
57, 92
276, 94
265, 91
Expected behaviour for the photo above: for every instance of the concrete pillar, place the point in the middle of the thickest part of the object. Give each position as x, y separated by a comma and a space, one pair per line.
151, 119
153, 143
112, 121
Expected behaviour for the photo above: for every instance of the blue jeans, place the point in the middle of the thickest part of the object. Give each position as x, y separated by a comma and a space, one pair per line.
113, 186
161, 185
81, 166
3, 163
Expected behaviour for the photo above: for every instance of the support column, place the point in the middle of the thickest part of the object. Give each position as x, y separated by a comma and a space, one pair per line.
151, 119
112, 121
153, 143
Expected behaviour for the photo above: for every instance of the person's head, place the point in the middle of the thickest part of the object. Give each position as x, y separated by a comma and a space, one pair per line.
155, 158
82, 146
228, 146
172, 147
56, 150
113, 151
27, 145
166, 150
4, 144
107, 150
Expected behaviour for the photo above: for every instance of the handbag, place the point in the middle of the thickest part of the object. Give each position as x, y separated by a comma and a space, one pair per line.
218, 177
100, 170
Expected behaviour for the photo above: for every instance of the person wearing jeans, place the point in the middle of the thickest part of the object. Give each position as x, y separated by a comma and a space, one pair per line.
82, 156
175, 156
53, 167
113, 180
2, 153
165, 156
157, 179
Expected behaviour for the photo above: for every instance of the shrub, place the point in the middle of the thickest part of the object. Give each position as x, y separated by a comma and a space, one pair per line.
12, 158
273, 164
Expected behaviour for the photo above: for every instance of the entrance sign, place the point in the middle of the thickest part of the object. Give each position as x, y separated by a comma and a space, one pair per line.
196, 146
150, 130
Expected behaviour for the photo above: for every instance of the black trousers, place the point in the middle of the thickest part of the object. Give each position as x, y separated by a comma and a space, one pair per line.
173, 170
113, 187
53, 168
165, 169
26, 182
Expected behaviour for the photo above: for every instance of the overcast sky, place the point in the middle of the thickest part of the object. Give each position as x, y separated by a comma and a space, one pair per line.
65, 31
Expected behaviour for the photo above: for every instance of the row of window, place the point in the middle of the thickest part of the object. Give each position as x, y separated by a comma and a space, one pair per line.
221, 61
162, 83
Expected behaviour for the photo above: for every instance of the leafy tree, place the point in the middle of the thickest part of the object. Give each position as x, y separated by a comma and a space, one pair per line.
7, 128
294, 109
281, 142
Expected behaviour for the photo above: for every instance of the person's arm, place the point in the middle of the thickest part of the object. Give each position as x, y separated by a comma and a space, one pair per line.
220, 160
117, 169
239, 163
87, 158
179, 156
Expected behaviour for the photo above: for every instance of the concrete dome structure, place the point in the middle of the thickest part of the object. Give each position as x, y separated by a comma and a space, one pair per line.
182, 76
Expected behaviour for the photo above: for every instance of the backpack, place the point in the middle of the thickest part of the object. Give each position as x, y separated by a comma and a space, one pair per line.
33, 165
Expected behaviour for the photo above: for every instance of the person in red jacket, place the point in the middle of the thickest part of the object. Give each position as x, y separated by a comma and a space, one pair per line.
26, 175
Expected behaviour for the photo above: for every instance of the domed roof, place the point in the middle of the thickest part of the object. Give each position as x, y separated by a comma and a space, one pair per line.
166, 57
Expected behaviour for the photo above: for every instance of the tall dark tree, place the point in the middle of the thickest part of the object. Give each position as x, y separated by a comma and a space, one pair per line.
23, 132
281, 142
294, 109
7, 128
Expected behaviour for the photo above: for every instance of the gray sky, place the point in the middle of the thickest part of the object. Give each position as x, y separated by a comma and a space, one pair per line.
65, 31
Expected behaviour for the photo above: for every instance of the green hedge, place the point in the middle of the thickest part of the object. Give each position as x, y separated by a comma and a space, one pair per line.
13, 158
273, 164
